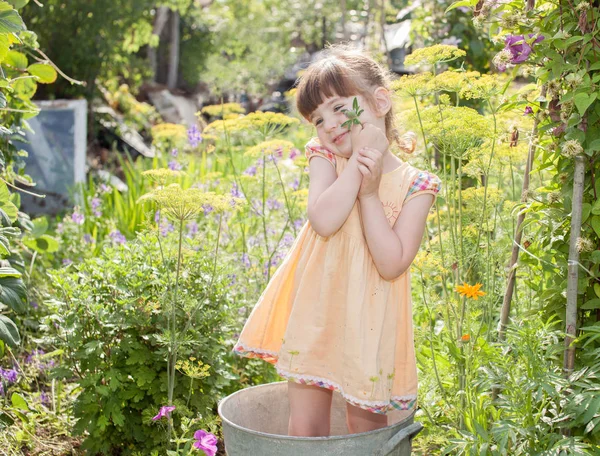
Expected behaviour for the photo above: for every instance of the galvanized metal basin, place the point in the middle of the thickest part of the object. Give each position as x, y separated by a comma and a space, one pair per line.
255, 423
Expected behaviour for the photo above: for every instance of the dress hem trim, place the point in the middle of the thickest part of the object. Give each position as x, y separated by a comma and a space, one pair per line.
407, 402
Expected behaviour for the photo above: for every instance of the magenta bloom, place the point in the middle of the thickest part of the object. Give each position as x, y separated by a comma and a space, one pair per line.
528, 110
519, 48
205, 441
164, 412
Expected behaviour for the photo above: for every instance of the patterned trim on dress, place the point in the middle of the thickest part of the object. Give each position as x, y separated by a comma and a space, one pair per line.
381, 407
424, 181
313, 148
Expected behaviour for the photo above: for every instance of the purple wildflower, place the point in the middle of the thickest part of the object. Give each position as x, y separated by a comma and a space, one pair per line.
77, 217
235, 192
44, 398
233, 279
164, 412
206, 442
174, 152
174, 165
519, 47
528, 110
95, 203
294, 153
60, 228
251, 171
295, 184
105, 188
88, 239
246, 260
273, 204
242, 311
166, 227
192, 228
9, 375
157, 216
194, 136
117, 237
288, 239
207, 208
35, 305
67, 261
299, 223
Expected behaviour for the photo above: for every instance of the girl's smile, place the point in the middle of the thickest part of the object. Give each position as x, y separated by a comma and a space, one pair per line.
339, 138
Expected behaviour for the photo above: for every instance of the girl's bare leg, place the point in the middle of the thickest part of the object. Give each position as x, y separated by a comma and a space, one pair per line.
310, 410
361, 420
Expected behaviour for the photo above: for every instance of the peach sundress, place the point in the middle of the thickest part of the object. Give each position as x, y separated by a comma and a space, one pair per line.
327, 318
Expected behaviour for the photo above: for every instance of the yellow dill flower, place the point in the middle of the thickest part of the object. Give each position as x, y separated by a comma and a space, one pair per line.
439, 53
162, 175
231, 116
450, 81
261, 120
470, 291
173, 135
181, 204
277, 147
221, 111
221, 126
483, 86
453, 129
414, 85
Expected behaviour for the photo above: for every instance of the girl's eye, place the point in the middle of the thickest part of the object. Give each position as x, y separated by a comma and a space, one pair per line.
337, 108
318, 122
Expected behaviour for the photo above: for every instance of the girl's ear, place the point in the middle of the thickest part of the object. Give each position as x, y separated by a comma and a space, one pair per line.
383, 101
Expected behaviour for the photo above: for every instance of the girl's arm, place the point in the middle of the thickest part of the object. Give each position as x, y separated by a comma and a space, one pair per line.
331, 198
394, 249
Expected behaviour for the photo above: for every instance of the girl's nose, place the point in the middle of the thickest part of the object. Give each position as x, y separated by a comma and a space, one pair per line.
330, 123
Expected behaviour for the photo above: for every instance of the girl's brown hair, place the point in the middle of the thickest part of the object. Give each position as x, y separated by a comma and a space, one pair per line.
345, 72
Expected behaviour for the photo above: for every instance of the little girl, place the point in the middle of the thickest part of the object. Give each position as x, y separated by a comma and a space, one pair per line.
337, 314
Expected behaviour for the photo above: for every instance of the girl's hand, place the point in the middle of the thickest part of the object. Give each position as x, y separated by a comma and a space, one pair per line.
368, 136
370, 164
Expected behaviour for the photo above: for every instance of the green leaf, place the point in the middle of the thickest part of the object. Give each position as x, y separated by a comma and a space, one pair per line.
13, 293
19, 402
586, 208
461, 3
42, 244
16, 59
9, 332
596, 224
25, 87
18, 4
583, 101
9, 272
5, 420
45, 73
591, 304
40, 226
597, 285
594, 145
6, 205
10, 21
596, 207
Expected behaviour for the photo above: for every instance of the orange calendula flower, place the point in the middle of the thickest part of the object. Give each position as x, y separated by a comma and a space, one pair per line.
470, 291
466, 337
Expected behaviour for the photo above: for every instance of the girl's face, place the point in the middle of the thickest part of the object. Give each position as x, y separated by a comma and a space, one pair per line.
329, 117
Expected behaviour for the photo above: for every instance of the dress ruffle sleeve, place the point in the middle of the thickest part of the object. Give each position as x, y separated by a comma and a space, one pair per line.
425, 182
314, 149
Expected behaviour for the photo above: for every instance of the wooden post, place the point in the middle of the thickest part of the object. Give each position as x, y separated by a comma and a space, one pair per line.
573, 266
162, 14
173, 51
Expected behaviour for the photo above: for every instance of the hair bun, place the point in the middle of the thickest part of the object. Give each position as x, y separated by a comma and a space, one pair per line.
408, 142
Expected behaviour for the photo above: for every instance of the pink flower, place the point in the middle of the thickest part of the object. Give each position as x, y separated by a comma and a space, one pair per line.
528, 110
164, 412
205, 441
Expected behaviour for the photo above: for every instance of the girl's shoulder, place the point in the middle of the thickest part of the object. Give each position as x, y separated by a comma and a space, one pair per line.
422, 182
313, 148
